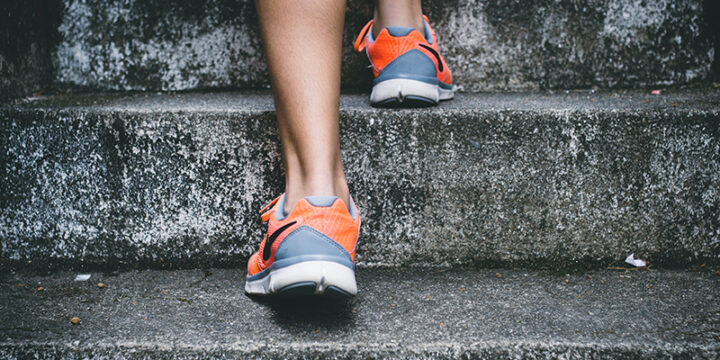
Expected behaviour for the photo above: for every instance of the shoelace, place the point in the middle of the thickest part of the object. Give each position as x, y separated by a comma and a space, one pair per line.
268, 209
360, 41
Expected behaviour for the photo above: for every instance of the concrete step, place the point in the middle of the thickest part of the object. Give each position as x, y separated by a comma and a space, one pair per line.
413, 313
489, 44
580, 179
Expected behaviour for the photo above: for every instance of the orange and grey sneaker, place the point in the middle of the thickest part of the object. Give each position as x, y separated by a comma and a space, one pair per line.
408, 68
310, 251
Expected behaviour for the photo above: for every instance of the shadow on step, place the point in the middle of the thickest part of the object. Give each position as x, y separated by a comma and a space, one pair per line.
309, 313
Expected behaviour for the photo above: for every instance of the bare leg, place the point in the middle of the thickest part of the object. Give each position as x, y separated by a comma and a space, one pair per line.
303, 42
397, 13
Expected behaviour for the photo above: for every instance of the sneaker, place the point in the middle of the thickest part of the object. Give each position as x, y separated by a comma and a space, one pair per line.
408, 68
310, 251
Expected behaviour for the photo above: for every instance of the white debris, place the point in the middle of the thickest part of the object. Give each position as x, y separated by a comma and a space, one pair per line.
82, 277
635, 262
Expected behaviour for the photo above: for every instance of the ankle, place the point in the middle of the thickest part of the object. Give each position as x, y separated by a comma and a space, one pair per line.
407, 13
381, 23
295, 191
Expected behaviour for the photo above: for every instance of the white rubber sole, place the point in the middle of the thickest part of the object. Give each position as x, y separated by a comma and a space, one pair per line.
324, 275
399, 91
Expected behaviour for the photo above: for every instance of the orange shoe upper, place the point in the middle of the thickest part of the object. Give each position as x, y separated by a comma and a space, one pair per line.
334, 221
386, 48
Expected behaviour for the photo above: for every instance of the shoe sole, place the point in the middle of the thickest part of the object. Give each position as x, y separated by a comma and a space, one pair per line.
408, 93
309, 278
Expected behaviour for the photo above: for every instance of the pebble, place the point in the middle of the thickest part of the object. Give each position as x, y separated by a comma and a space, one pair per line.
75, 320
101, 285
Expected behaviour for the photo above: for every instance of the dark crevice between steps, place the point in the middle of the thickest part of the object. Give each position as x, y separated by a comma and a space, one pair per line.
42, 267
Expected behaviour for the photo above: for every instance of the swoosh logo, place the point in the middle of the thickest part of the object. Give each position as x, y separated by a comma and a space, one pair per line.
437, 56
271, 240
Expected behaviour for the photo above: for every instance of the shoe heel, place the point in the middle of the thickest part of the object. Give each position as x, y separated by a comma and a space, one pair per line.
307, 262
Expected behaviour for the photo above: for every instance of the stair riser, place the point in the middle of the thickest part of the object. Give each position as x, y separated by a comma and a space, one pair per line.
547, 188
489, 44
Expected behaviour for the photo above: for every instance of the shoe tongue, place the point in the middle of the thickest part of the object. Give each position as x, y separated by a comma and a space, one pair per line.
399, 31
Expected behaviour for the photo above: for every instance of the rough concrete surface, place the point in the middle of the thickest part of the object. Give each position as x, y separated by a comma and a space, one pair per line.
413, 313
489, 44
579, 179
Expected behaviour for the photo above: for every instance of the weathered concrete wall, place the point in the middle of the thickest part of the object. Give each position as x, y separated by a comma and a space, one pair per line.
546, 180
489, 44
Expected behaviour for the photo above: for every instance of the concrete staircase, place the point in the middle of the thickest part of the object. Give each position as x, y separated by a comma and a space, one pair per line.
489, 222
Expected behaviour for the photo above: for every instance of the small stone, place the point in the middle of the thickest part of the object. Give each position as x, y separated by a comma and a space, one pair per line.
75, 320
41, 288
498, 275
567, 281
101, 285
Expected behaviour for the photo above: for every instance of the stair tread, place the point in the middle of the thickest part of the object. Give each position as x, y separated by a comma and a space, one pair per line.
434, 312
702, 99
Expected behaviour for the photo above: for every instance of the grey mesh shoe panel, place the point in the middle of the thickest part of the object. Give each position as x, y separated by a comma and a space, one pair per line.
321, 200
